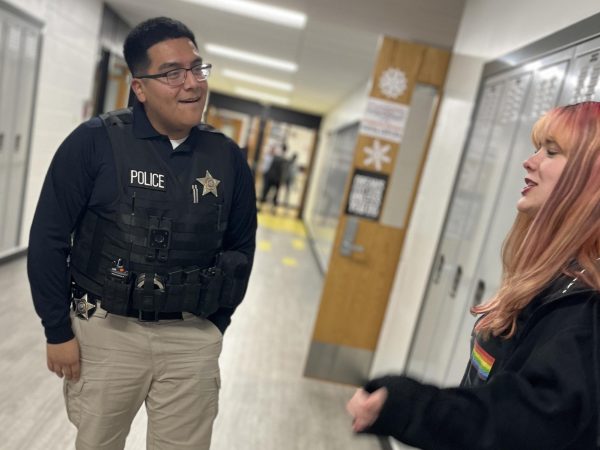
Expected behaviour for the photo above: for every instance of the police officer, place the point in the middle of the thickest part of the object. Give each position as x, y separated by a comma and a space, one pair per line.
141, 249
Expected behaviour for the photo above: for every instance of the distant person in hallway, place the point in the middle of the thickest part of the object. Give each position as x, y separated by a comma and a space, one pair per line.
140, 251
533, 379
288, 178
273, 177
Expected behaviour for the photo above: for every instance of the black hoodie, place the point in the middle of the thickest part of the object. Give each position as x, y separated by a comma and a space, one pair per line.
540, 393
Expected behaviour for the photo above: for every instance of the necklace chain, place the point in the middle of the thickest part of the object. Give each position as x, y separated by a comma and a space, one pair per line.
575, 279
572, 282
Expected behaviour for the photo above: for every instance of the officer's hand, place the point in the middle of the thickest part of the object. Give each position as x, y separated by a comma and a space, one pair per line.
365, 408
63, 359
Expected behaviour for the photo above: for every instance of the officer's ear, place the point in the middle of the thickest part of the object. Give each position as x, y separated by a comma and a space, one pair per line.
138, 89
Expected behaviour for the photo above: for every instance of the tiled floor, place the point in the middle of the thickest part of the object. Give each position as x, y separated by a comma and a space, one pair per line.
266, 403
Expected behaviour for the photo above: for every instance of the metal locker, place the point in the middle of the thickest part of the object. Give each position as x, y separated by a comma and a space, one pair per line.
445, 271
544, 94
10, 79
3, 126
582, 83
20, 143
491, 174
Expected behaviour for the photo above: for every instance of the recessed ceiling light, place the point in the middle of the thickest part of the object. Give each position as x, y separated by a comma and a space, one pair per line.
255, 79
254, 58
262, 95
275, 14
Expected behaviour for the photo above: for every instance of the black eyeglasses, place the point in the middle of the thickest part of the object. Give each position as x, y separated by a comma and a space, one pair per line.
176, 77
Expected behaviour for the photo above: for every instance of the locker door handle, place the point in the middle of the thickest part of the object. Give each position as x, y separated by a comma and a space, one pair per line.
1, 141
17, 142
438, 271
456, 281
479, 291
348, 246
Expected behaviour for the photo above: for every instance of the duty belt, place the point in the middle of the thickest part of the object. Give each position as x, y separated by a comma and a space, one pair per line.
84, 304
164, 296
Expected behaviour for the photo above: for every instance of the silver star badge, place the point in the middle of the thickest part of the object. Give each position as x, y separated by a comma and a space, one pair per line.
209, 184
83, 307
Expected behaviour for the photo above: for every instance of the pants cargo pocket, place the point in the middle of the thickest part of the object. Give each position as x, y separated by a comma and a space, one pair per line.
209, 389
72, 393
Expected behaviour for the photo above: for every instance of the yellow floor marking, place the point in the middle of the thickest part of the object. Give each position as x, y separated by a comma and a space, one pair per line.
290, 262
280, 223
298, 244
265, 246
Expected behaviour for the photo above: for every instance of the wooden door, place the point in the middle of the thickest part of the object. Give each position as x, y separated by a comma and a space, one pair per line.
382, 182
229, 126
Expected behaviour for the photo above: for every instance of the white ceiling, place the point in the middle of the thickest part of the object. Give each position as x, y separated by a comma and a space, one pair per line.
335, 52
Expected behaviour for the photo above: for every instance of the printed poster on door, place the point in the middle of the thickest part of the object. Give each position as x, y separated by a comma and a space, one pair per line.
384, 119
366, 194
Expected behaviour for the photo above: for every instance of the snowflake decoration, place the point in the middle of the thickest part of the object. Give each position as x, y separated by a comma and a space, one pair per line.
392, 83
377, 154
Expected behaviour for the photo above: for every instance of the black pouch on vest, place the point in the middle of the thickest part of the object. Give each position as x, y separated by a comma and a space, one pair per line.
191, 289
211, 280
116, 292
235, 268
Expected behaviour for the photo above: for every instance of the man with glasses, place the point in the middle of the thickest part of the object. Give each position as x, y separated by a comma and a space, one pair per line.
140, 251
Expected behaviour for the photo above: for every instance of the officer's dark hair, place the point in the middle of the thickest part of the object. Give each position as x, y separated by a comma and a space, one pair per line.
148, 33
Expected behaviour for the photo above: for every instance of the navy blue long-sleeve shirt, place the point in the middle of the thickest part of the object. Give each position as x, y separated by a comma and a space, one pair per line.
83, 174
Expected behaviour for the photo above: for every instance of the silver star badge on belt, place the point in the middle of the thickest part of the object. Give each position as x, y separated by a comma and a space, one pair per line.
83, 307
209, 184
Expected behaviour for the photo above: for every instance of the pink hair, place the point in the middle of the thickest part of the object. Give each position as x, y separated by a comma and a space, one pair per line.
566, 229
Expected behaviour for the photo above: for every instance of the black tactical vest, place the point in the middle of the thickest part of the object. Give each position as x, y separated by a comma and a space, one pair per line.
156, 247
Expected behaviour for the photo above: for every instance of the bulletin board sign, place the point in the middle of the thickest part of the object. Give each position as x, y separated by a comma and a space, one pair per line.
384, 119
366, 195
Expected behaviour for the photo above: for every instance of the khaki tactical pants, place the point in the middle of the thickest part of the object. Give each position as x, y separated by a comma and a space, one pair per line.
170, 365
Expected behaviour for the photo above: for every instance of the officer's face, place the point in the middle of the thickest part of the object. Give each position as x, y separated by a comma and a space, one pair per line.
172, 110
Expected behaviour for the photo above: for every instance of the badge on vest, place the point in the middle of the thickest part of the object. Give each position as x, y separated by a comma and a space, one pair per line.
209, 186
147, 180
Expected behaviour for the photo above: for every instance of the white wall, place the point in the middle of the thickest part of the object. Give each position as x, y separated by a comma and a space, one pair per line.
488, 29
491, 28
67, 66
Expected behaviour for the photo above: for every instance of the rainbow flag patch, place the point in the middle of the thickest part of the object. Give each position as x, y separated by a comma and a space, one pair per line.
482, 361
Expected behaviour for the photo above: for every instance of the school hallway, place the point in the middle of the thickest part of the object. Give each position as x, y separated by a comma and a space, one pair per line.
265, 402
400, 130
